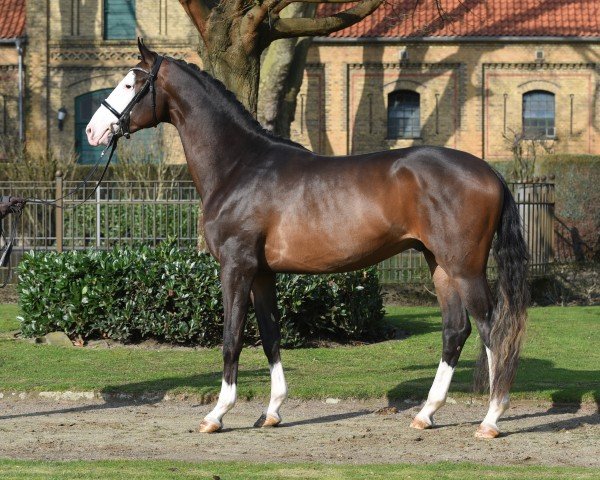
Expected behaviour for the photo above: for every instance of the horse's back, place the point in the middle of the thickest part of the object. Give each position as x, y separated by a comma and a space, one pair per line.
341, 213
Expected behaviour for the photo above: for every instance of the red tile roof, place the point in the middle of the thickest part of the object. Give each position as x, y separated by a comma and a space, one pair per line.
476, 18
12, 18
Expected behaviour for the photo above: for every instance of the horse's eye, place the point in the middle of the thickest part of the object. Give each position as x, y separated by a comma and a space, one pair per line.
128, 86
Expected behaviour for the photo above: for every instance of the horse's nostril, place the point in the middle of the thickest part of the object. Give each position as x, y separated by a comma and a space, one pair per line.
88, 130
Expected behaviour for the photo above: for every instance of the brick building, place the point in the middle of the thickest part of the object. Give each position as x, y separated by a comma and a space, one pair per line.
12, 36
470, 80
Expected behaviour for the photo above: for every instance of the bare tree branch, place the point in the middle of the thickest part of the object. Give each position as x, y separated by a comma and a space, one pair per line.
321, 1
302, 27
265, 9
198, 11
285, 3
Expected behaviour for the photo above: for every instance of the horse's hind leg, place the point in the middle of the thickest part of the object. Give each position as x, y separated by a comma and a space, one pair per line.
456, 330
476, 295
267, 314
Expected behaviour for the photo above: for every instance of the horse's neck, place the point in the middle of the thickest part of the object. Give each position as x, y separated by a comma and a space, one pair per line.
214, 144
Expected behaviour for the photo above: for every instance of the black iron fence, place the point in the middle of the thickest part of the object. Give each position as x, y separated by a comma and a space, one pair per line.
148, 212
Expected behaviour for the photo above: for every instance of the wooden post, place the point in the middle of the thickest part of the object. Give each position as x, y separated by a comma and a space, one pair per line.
58, 211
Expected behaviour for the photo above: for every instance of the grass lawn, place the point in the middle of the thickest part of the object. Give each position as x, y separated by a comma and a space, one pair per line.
160, 470
8, 318
561, 362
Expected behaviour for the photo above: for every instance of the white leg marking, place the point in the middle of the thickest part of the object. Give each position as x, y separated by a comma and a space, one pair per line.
437, 393
226, 402
490, 358
278, 390
497, 408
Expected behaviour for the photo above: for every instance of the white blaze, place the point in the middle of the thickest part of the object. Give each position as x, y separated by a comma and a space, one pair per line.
102, 122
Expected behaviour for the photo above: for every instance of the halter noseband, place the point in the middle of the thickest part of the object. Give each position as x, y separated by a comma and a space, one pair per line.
123, 117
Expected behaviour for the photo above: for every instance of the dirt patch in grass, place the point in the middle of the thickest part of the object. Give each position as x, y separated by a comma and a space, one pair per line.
345, 432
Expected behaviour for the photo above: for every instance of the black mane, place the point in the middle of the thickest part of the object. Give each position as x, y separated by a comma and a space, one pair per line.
234, 103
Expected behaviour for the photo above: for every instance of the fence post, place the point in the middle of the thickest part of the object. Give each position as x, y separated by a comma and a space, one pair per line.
58, 212
98, 218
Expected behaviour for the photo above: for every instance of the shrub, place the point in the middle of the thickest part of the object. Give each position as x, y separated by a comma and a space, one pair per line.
174, 295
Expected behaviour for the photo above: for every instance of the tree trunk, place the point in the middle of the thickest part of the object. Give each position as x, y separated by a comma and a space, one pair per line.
239, 72
230, 52
282, 72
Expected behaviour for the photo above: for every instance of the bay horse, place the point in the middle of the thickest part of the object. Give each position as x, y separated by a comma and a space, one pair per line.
271, 206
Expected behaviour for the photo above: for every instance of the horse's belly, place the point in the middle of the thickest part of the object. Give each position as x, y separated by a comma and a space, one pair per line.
306, 250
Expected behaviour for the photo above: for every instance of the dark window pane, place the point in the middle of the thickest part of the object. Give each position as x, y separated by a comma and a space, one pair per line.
85, 107
538, 114
404, 116
119, 19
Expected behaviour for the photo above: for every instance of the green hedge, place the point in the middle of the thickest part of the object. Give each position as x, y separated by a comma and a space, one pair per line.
174, 295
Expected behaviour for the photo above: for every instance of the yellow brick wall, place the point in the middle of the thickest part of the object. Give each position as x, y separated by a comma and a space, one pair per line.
457, 110
465, 88
9, 91
67, 57
84, 20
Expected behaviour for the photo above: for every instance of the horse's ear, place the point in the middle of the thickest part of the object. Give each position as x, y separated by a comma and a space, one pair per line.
147, 55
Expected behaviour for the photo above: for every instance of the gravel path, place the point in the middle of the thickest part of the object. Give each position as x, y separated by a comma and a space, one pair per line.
343, 432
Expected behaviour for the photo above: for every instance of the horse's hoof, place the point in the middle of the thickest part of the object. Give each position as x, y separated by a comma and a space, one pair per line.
420, 424
266, 421
486, 431
207, 426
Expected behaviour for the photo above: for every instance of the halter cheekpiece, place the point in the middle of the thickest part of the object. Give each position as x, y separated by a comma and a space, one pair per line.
123, 118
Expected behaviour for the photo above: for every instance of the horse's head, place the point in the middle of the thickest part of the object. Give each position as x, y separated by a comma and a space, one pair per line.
137, 102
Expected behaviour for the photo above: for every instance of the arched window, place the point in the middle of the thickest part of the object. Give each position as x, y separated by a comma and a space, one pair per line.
404, 116
85, 107
538, 114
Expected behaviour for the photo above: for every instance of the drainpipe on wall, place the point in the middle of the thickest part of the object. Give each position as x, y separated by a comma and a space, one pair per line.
19, 45
483, 112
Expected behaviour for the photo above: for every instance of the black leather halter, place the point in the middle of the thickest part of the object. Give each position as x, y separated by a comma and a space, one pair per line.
123, 117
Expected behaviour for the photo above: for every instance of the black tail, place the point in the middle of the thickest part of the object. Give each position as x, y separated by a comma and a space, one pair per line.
510, 312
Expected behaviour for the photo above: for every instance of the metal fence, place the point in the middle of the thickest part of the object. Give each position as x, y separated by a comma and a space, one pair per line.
128, 212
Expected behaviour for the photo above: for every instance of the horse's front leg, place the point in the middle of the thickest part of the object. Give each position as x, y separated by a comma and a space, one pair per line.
236, 280
265, 305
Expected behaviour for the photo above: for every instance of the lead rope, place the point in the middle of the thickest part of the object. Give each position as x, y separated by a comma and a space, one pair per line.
113, 146
17, 209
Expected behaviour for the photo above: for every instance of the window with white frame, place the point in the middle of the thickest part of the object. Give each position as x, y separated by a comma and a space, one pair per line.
404, 114
538, 114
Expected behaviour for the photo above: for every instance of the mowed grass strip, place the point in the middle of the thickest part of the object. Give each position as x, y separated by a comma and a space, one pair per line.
560, 363
8, 318
164, 470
